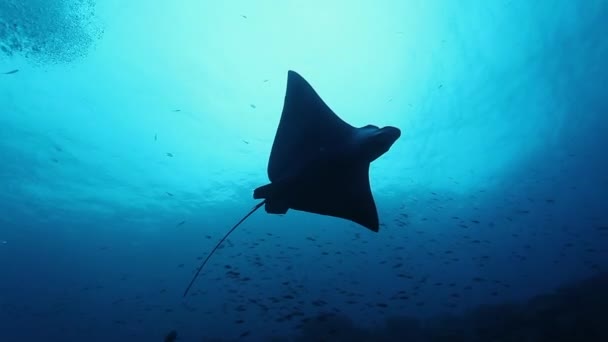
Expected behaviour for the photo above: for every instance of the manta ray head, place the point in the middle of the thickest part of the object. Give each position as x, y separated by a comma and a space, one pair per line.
373, 142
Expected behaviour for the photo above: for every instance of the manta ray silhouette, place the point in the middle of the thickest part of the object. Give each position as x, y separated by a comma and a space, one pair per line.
319, 163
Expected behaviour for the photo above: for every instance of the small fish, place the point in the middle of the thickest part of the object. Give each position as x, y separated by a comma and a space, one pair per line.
11, 72
155, 137
180, 224
176, 110
171, 336
252, 106
169, 194
246, 142
169, 154
244, 16
440, 86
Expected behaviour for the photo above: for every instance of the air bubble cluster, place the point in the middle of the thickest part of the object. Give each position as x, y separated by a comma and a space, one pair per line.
48, 31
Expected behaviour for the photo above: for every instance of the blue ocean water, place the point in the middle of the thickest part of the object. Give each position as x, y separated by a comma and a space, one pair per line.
132, 134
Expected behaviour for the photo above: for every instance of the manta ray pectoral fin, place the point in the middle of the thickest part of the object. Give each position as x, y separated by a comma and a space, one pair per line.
345, 194
306, 127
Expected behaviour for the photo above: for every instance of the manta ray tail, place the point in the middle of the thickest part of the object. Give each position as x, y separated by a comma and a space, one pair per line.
200, 268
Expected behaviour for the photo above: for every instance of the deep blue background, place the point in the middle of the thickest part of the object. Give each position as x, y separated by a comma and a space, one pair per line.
133, 134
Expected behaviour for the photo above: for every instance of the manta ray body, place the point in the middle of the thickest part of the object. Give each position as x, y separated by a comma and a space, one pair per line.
319, 163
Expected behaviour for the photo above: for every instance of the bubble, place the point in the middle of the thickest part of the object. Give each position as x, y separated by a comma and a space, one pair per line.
48, 31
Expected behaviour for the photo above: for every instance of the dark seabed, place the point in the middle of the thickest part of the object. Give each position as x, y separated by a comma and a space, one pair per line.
132, 135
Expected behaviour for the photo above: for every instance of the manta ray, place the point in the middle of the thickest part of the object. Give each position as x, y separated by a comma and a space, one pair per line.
319, 163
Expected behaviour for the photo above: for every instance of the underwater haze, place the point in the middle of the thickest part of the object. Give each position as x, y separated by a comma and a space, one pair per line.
133, 133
